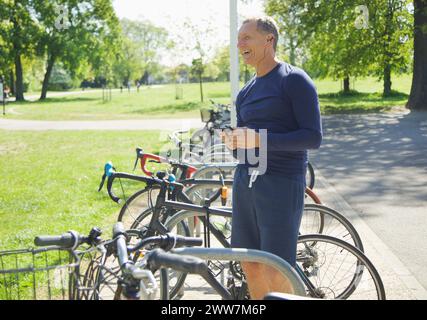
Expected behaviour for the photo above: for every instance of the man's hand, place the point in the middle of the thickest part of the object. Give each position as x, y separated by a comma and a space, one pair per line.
241, 138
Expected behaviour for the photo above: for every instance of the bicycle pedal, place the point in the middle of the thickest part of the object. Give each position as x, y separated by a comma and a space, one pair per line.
216, 265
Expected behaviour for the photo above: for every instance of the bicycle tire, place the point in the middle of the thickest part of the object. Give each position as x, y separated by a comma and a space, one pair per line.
358, 261
136, 204
343, 230
353, 239
180, 280
163, 288
310, 178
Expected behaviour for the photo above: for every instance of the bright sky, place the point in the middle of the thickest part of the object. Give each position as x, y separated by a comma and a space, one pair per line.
171, 14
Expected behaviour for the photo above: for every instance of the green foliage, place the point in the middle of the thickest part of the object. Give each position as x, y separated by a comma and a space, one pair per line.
85, 35
140, 51
222, 61
60, 80
330, 43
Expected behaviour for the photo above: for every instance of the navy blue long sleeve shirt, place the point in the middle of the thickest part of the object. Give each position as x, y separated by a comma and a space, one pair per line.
284, 102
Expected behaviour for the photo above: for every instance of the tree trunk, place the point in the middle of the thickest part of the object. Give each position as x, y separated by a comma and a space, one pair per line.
418, 96
346, 85
19, 88
292, 54
50, 63
201, 86
12, 82
387, 54
387, 81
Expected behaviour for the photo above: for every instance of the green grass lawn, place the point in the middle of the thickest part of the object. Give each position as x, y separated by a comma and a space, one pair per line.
160, 102
150, 102
366, 95
50, 181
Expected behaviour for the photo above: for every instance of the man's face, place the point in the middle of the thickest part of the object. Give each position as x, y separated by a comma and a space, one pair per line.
251, 43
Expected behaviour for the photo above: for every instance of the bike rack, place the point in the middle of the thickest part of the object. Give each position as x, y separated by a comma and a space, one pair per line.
248, 255
210, 168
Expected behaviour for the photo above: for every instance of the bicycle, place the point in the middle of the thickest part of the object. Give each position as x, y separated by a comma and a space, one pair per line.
316, 218
204, 212
200, 188
134, 278
135, 212
47, 273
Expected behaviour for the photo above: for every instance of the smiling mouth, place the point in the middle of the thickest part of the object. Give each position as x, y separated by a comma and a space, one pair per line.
246, 53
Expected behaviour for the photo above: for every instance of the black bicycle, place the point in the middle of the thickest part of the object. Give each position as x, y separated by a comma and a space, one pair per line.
315, 262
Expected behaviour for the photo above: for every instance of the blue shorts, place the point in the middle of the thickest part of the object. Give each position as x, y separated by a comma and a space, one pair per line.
267, 216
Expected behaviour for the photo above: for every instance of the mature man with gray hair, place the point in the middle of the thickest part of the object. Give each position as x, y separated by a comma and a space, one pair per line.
282, 100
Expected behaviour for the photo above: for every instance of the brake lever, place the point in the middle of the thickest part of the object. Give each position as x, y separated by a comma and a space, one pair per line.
139, 152
108, 171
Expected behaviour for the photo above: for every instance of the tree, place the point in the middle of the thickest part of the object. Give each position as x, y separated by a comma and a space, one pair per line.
197, 69
128, 64
199, 43
19, 33
418, 97
286, 14
73, 32
149, 41
390, 45
335, 47
222, 61
342, 39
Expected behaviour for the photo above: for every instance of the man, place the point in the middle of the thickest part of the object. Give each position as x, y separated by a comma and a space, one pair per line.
281, 99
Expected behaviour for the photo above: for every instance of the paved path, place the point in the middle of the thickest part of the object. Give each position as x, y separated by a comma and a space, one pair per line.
377, 164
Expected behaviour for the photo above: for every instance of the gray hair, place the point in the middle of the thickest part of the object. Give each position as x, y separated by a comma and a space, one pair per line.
266, 25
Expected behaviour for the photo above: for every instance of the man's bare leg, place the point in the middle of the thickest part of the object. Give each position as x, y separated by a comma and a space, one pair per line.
263, 279
255, 279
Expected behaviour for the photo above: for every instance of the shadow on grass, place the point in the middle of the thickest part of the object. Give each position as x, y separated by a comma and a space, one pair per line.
360, 102
54, 100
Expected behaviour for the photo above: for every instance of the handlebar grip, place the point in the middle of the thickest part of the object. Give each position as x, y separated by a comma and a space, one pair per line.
118, 229
122, 252
65, 240
109, 189
182, 241
161, 259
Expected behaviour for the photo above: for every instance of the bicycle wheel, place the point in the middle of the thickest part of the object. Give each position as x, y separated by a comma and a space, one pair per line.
176, 279
309, 177
317, 219
100, 279
221, 270
324, 220
136, 204
311, 197
333, 269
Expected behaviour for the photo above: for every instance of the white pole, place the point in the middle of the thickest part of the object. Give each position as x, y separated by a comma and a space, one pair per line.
234, 60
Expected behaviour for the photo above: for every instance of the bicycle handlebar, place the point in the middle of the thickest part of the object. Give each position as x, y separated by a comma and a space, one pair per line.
120, 236
188, 264
148, 180
149, 157
160, 259
154, 181
168, 242
66, 240
70, 239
